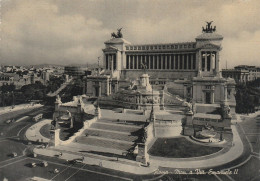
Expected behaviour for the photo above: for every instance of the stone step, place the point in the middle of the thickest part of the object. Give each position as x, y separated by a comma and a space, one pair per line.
105, 143
121, 123
111, 135
115, 127
95, 152
113, 140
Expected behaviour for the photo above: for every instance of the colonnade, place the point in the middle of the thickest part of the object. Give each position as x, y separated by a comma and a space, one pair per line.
185, 61
209, 62
110, 61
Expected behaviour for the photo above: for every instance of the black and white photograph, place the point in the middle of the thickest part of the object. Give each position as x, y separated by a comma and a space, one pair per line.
131, 90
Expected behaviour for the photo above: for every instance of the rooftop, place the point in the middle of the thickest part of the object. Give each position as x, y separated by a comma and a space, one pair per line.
117, 40
212, 36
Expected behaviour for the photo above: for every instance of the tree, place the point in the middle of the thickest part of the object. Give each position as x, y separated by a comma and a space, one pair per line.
7, 88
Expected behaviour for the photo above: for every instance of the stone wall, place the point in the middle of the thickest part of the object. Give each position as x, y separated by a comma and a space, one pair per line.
160, 74
207, 108
175, 89
167, 129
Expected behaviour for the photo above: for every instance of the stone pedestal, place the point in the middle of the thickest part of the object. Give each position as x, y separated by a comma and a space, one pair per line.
144, 81
55, 137
142, 156
187, 124
189, 118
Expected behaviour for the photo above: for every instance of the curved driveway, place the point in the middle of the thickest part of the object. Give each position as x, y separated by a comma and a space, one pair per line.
33, 133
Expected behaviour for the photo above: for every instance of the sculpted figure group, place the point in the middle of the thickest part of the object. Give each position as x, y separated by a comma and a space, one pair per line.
118, 34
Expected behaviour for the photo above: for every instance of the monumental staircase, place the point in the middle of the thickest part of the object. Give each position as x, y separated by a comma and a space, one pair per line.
111, 136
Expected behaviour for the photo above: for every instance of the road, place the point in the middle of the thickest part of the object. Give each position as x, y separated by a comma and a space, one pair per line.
13, 140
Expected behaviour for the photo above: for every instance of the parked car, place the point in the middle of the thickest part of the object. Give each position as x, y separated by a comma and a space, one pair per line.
56, 170
44, 164
14, 154
33, 164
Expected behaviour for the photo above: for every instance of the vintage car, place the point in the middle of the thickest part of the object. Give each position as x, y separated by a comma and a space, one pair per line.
33, 164
14, 154
44, 164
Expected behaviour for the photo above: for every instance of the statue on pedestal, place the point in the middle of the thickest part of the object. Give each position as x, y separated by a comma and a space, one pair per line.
189, 107
58, 99
118, 34
209, 28
226, 111
144, 137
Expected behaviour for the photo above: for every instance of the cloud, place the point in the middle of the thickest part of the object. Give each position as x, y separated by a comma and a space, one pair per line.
36, 33
243, 49
65, 31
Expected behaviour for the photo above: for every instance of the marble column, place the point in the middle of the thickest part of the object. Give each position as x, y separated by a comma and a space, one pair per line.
188, 62
107, 87
174, 61
153, 59
146, 61
138, 61
217, 62
206, 61
157, 60
170, 61
199, 61
113, 61
212, 98
166, 63
211, 62
225, 93
183, 55
108, 62
133, 61
191, 61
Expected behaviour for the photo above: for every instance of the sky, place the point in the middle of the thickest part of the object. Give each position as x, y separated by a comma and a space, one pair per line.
74, 31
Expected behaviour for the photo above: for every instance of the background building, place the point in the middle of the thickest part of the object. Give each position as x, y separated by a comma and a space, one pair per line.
242, 73
74, 71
